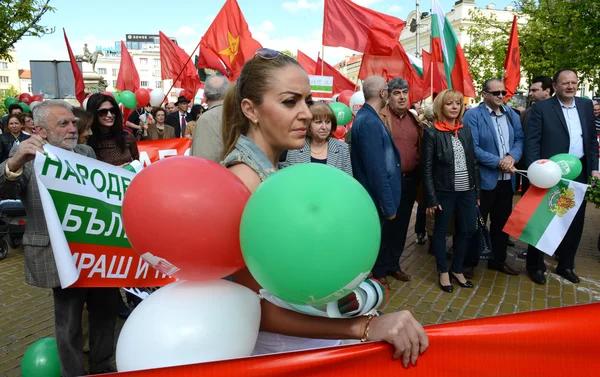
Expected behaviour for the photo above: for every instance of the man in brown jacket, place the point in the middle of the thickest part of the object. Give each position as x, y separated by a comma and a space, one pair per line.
407, 133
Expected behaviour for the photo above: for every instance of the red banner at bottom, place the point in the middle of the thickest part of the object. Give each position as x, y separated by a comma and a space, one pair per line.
555, 342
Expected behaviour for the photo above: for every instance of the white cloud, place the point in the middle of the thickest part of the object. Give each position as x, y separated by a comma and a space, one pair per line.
302, 4
185, 30
394, 9
266, 27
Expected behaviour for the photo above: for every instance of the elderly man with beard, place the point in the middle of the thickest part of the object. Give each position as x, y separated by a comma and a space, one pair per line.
56, 125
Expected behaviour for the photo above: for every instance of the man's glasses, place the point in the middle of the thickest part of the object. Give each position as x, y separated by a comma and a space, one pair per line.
104, 112
498, 92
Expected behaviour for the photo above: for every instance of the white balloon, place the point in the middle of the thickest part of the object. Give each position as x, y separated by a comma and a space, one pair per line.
190, 322
157, 96
34, 104
544, 173
84, 104
357, 101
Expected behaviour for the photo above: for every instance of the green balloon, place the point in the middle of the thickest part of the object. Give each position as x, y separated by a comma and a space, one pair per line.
128, 99
25, 107
342, 112
117, 97
41, 359
10, 101
570, 165
310, 234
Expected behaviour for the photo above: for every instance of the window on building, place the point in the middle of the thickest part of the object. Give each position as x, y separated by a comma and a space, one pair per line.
29, 88
4, 79
3, 65
115, 72
157, 73
144, 83
143, 60
114, 83
158, 85
102, 71
157, 62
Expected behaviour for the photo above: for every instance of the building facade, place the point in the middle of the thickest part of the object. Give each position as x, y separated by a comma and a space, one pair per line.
25, 80
9, 73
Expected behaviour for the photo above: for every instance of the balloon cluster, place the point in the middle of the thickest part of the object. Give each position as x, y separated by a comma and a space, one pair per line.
547, 173
25, 100
347, 105
200, 224
187, 226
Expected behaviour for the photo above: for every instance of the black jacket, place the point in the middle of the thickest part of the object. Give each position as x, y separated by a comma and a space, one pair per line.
7, 141
174, 121
438, 162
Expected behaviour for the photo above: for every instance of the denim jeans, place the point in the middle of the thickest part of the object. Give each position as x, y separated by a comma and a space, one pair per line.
464, 204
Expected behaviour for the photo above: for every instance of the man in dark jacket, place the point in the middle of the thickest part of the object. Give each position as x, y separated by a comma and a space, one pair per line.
376, 165
180, 118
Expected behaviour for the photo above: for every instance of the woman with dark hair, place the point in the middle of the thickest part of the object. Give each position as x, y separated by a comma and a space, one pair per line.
28, 125
13, 135
158, 130
320, 146
265, 113
111, 143
195, 113
84, 124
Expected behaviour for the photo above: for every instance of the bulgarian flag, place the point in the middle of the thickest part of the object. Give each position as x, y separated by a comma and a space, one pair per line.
543, 216
446, 49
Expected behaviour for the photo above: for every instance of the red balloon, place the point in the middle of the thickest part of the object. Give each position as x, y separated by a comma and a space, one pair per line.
143, 97
349, 125
344, 97
149, 89
108, 94
37, 98
190, 221
339, 132
25, 98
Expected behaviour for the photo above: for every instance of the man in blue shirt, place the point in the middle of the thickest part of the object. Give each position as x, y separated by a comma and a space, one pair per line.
498, 142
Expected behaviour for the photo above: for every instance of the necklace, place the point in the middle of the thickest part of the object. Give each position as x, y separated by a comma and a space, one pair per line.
319, 152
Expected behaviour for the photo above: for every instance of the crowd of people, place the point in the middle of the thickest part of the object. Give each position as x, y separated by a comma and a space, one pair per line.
453, 163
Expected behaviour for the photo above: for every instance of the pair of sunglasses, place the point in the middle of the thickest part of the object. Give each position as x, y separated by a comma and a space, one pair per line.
498, 92
263, 53
104, 112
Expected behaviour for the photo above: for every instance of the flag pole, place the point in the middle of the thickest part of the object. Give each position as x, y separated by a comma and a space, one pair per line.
179, 75
431, 74
322, 59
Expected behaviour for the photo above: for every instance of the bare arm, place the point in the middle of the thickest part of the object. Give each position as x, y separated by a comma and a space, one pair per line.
399, 329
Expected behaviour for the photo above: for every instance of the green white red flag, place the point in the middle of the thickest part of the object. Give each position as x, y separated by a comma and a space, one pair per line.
446, 49
543, 216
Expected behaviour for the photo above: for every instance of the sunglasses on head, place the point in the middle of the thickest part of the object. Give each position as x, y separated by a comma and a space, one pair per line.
104, 112
497, 93
267, 53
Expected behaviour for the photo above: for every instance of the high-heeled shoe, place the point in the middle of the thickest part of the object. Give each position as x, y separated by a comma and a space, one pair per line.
466, 284
446, 288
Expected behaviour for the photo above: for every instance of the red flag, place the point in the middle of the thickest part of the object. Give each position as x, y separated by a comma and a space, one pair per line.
309, 65
437, 69
395, 65
79, 85
346, 24
128, 78
340, 82
177, 65
229, 39
512, 63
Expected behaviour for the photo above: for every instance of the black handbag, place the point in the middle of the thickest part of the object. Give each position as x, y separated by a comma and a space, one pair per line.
481, 240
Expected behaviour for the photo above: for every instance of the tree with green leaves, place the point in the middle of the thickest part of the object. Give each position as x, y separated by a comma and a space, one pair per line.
289, 53
555, 34
20, 18
4, 94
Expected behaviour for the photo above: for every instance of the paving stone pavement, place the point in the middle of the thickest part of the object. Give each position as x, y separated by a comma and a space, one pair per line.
26, 312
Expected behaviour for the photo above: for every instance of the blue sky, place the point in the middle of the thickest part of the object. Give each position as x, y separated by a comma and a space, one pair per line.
279, 24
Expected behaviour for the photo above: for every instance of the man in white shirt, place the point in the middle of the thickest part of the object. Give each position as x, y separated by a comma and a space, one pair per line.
562, 124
